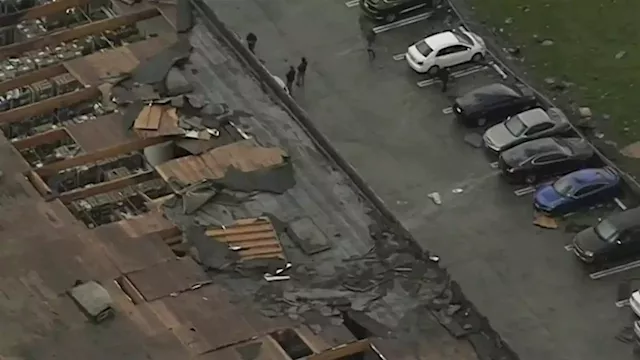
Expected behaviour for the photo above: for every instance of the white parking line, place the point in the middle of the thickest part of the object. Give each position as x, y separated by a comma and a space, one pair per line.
568, 247
398, 57
448, 110
494, 165
499, 70
400, 23
524, 191
352, 3
455, 75
622, 303
615, 270
620, 204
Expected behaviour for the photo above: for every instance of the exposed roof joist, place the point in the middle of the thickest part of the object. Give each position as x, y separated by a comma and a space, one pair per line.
32, 77
106, 186
39, 11
81, 31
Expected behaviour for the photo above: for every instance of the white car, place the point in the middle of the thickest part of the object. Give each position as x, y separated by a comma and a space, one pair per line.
445, 49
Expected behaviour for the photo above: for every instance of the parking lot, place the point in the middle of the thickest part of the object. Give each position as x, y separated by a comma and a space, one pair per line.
396, 128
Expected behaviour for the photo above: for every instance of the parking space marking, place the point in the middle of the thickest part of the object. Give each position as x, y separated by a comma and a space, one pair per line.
620, 204
455, 75
448, 110
401, 23
398, 57
622, 303
494, 165
352, 3
498, 69
615, 270
568, 247
524, 191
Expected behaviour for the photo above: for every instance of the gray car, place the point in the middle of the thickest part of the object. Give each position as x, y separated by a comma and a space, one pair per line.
531, 124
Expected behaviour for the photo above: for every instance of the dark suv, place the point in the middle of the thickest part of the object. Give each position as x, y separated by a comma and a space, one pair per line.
390, 10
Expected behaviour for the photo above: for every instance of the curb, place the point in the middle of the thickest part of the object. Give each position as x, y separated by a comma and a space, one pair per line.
632, 183
299, 115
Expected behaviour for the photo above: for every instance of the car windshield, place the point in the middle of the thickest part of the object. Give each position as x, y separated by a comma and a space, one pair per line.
515, 126
464, 38
563, 186
423, 48
606, 231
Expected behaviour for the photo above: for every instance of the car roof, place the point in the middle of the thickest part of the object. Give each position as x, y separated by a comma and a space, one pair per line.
592, 175
442, 39
626, 219
533, 117
533, 148
488, 94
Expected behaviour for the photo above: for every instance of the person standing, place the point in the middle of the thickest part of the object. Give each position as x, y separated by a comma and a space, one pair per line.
291, 77
443, 74
302, 69
371, 38
252, 39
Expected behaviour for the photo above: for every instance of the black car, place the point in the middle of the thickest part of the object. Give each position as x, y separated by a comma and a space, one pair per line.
614, 238
542, 158
390, 10
492, 103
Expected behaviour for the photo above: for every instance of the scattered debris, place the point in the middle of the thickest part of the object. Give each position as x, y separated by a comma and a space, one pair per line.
508, 21
211, 254
620, 54
175, 83
252, 239
276, 179
308, 236
632, 150
155, 70
547, 42
457, 190
585, 112
435, 196
474, 139
545, 221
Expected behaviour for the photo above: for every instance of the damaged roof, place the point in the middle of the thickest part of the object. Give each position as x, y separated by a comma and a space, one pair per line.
241, 240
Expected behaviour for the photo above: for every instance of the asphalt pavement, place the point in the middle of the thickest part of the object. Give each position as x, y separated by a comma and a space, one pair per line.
402, 139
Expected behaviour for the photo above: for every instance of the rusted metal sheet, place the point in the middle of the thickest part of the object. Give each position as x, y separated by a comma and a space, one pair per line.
252, 238
81, 31
166, 278
243, 155
32, 77
48, 137
101, 133
43, 10
49, 105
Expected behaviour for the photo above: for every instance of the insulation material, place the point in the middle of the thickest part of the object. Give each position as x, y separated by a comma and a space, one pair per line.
254, 238
244, 156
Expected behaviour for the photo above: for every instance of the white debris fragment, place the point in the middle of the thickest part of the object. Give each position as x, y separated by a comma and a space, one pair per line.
547, 42
585, 112
286, 267
457, 191
620, 54
270, 277
434, 258
435, 196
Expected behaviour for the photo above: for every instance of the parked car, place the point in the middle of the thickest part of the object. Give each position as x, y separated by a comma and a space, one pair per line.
281, 83
528, 125
444, 50
492, 103
542, 158
389, 10
577, 190
634, 300
613, 238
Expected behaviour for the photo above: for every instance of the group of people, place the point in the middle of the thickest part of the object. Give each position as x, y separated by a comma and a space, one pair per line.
294, 75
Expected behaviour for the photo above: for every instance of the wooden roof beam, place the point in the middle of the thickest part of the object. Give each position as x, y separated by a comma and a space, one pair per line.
39, 11
32, 77
48, 137
81, 31
49, 105
107, 186
137, 144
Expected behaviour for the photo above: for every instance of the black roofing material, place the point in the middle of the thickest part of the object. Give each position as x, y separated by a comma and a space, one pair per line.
311, 242
131, 114
250, 351
184, 16
276, 180
155, 70
175, 83
209, 252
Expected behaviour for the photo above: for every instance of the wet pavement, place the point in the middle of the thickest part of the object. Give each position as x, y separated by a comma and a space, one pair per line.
402, 140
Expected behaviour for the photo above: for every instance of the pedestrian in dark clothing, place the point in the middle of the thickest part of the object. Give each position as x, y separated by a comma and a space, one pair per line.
252, 39
291, 77
302, 69
371, 38
443, 75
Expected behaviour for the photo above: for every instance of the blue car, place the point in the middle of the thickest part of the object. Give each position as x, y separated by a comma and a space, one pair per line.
579, 189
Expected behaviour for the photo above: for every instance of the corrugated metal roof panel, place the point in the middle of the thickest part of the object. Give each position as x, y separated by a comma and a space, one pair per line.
254, 238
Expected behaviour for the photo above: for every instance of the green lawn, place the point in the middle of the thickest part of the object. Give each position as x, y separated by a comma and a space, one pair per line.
587, 35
